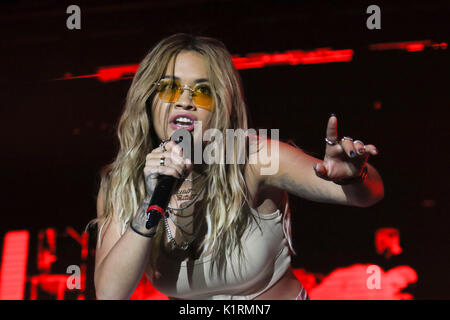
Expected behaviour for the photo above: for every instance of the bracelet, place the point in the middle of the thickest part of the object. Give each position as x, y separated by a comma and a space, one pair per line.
142, 234
347, 181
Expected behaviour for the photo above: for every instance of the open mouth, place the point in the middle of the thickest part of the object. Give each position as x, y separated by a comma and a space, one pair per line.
182, 121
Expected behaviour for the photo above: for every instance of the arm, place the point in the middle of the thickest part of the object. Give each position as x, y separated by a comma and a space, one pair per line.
297, 176
120, 261
312, 179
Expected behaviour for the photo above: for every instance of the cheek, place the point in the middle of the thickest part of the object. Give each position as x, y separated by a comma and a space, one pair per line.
206, 118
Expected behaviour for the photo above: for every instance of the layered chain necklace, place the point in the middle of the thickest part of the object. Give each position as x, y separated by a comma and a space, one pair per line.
170, 212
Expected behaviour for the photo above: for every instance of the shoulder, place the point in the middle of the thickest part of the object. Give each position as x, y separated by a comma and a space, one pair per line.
267, 155
263, 160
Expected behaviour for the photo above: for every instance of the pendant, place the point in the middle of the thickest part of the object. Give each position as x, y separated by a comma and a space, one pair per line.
184, 246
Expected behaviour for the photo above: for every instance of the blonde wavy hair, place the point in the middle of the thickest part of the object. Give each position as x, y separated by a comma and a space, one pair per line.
122, 181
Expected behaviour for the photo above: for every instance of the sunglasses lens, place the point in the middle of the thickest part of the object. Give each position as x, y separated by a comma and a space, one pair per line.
169, 90
202, 96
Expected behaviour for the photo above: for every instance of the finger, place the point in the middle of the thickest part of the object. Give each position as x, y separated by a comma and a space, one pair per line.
156, 153
359, 147
320, 170
348, 147
149, 173
164, 170
332, 133
189, 165
169, 171
177, 153
174, 158
174, 148
371, 149
168, 162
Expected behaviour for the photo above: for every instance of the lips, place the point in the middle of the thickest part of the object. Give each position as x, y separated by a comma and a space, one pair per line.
182, 121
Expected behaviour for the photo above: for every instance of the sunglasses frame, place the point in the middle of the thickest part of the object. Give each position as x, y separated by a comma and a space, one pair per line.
181, 89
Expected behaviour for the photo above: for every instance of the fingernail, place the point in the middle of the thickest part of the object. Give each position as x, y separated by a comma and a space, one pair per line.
316, 171
352, 154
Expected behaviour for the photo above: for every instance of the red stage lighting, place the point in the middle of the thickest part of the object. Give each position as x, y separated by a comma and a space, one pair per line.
14, 265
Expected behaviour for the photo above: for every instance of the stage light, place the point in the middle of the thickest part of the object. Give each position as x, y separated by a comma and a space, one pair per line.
410, 46
261, 60
250, 61
14, 265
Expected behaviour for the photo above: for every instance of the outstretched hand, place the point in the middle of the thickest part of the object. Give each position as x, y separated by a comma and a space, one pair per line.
345, 158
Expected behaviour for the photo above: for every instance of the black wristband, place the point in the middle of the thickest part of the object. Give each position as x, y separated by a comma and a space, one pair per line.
348, 181
142, 234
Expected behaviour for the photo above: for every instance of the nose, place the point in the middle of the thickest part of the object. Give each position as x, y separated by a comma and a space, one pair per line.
185, 101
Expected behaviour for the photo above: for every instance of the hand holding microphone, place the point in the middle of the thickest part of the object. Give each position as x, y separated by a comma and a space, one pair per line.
165, 162
163, 167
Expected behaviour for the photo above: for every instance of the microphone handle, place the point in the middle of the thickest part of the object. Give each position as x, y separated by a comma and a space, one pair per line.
160, 200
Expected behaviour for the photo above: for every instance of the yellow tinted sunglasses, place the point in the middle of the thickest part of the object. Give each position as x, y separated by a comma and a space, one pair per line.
170, 90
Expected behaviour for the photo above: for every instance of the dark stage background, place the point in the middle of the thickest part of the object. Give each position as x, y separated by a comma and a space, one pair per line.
56, 135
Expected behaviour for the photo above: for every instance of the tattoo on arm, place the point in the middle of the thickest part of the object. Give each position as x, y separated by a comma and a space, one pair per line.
140, 219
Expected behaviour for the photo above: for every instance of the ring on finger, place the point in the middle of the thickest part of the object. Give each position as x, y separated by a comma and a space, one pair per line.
364, 147
330, 142
347, 138
162, 145
162, 161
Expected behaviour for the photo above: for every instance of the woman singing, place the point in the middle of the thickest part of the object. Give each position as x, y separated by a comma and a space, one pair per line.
226, 231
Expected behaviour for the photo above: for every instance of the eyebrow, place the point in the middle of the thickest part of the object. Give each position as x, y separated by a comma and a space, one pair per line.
177, 78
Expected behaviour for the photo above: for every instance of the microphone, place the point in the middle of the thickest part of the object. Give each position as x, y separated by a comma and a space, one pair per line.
164, 187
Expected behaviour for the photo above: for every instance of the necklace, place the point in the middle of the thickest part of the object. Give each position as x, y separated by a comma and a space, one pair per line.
180, 225
191, 180
184, 245
170, 212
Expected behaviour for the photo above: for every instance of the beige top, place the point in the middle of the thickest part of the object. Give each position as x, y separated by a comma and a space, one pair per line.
266, 258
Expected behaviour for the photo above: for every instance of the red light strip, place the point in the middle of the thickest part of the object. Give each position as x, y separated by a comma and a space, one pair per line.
251, 61
260, 60
410, 46
14, 265
325, 55
106, 74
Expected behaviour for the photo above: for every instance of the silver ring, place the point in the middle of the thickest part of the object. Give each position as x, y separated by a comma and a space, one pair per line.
358, 141
162, 161
330, 142
162, 145
347, 138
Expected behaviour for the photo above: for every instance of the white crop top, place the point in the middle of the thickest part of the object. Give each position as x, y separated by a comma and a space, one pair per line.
266, 258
